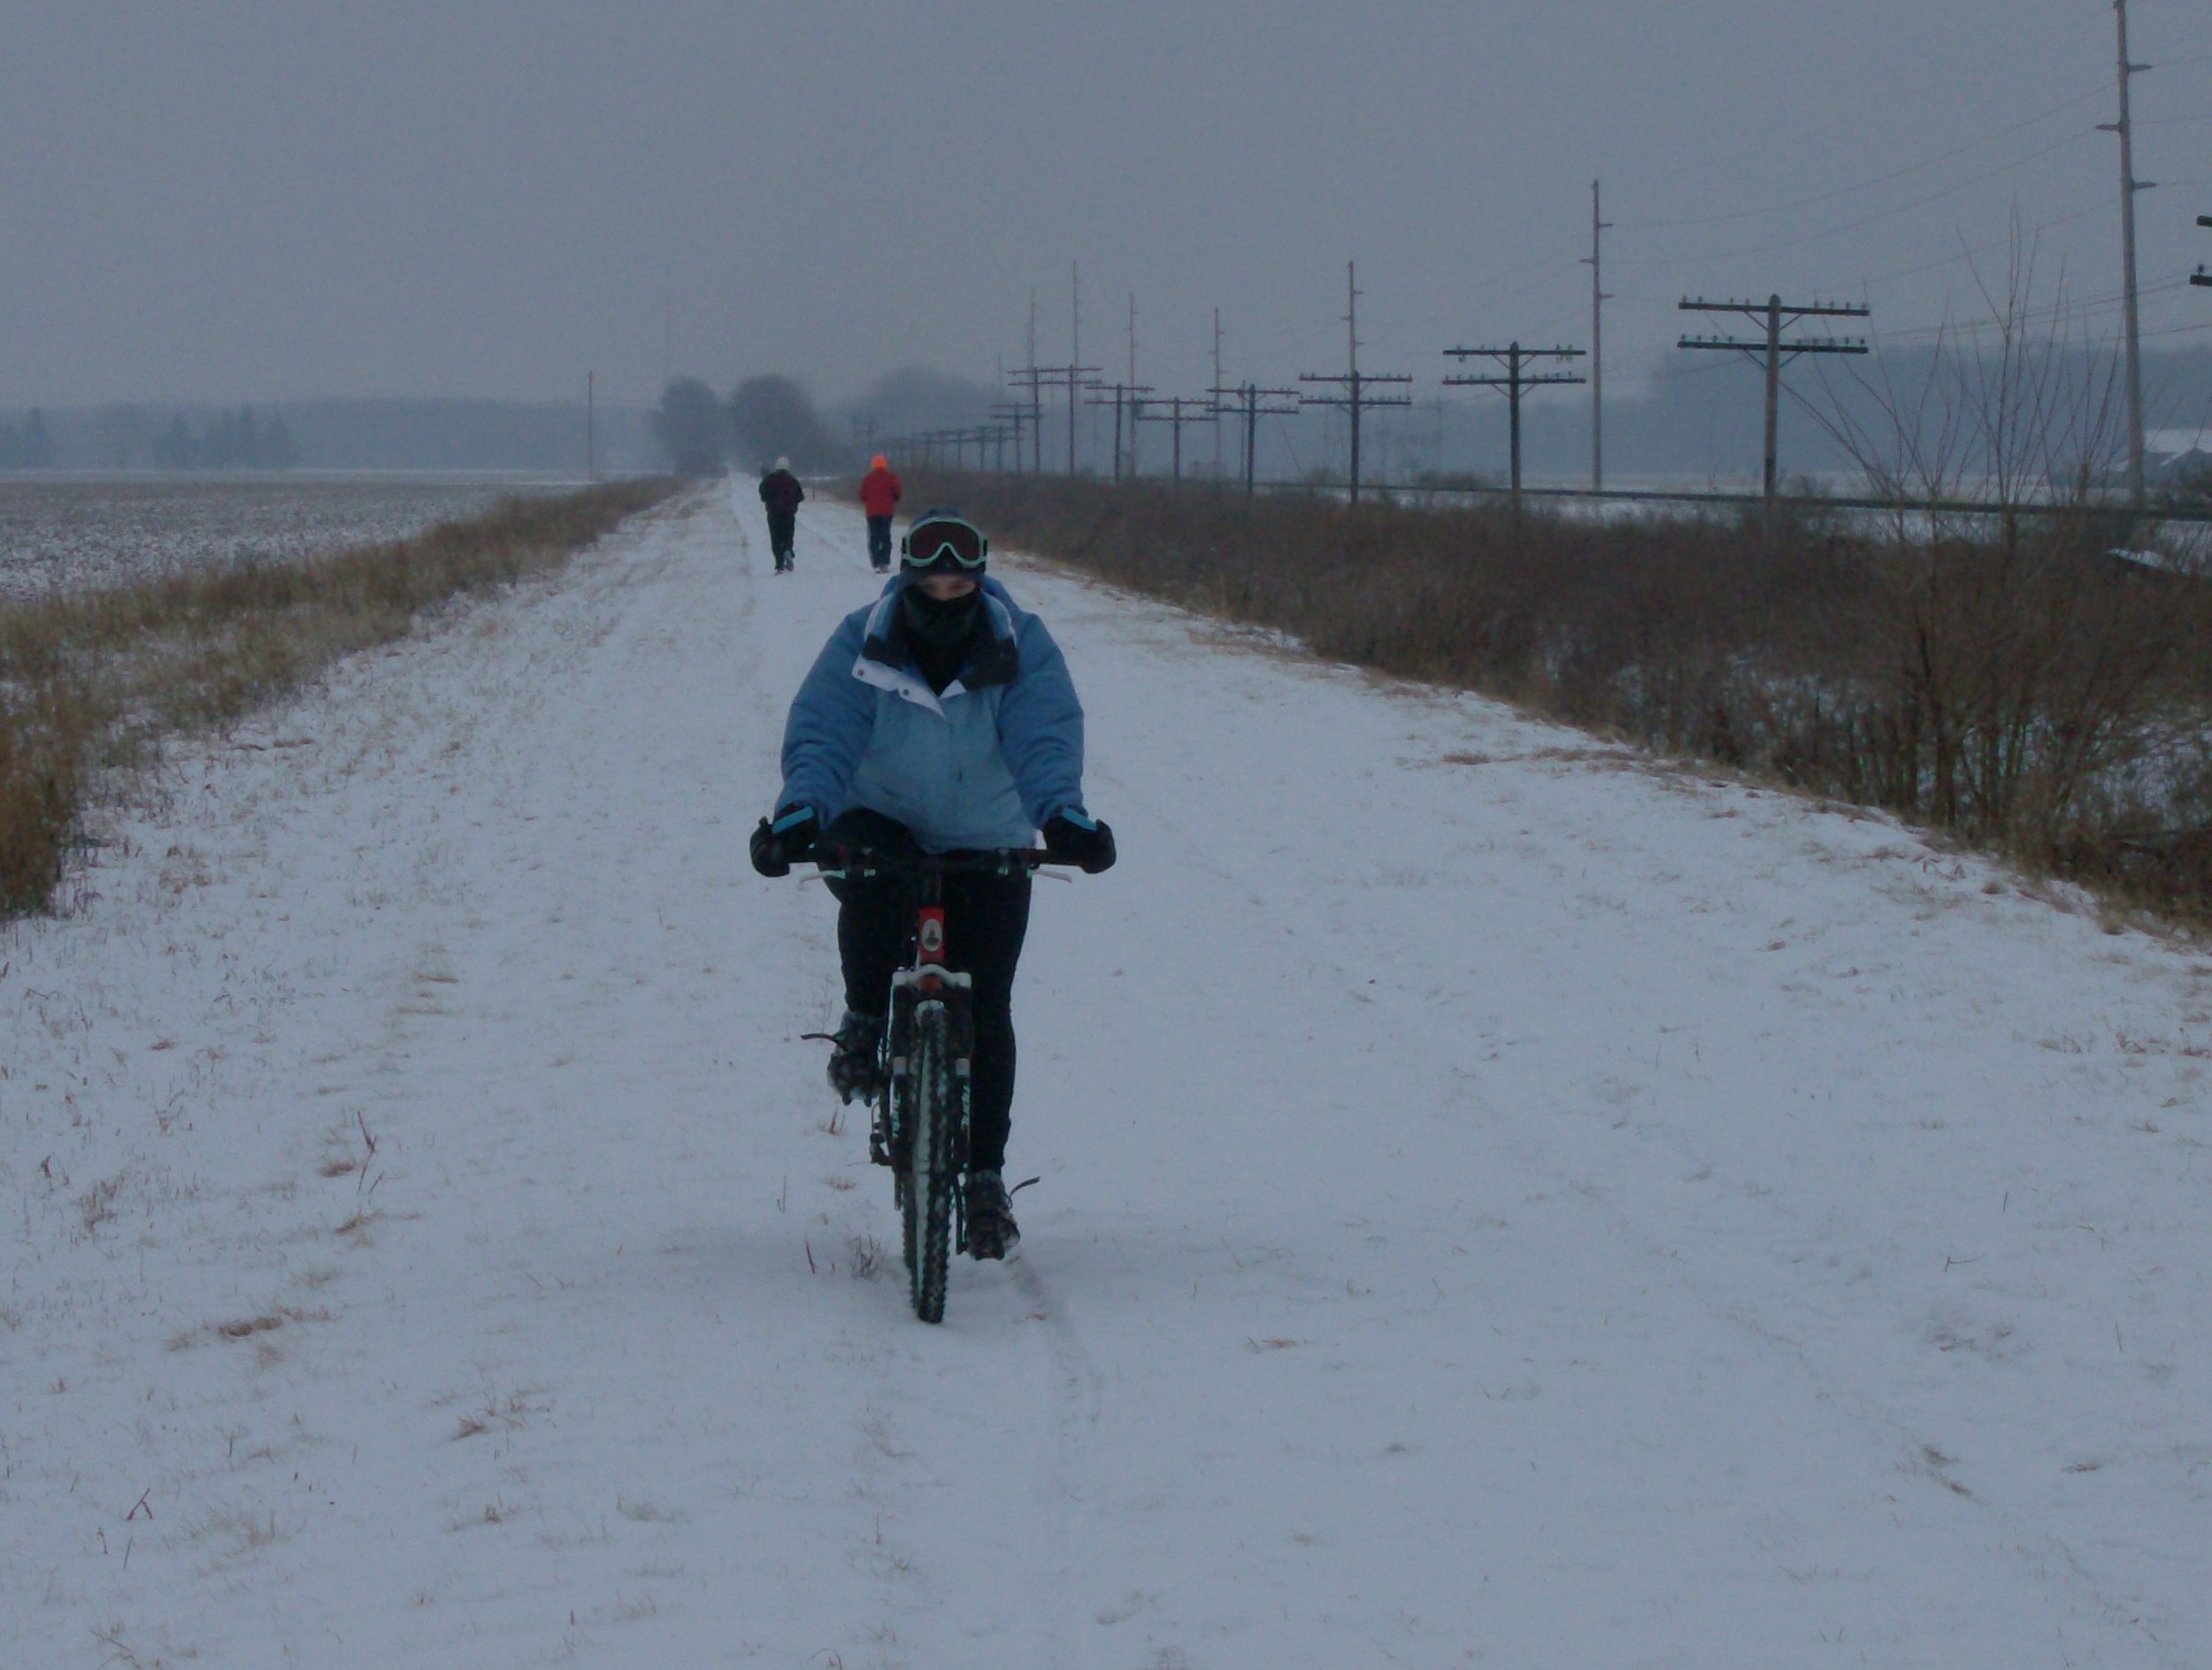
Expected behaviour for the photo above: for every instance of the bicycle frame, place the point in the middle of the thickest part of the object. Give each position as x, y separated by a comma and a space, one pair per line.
930, 1012
928, 979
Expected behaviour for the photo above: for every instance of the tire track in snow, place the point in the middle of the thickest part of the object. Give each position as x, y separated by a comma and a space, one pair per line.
899, 1439
1074, 1395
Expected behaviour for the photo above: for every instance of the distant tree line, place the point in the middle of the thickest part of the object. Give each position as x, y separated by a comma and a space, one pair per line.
546, 437
770, 417
765, 419
28, 446
130, 437
227, 441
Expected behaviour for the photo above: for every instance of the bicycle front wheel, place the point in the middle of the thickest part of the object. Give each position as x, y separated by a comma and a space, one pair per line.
933, 1098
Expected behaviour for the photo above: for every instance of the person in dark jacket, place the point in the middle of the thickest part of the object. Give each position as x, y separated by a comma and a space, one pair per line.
939, 718
880, 492
781, 492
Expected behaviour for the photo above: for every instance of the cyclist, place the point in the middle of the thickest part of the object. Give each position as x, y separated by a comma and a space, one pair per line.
879, 491
781, 492
939, 718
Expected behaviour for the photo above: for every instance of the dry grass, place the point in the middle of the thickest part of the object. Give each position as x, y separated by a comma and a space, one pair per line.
96, 679
2024, 690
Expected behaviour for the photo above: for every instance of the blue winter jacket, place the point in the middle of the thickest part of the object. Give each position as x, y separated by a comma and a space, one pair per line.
983, 765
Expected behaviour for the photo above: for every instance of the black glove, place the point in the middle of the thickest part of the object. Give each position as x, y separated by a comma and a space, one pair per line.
787, 841
1078, 838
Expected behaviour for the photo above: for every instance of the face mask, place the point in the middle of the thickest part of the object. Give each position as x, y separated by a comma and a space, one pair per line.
943, 622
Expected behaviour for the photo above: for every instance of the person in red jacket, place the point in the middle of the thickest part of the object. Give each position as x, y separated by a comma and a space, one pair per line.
879, 491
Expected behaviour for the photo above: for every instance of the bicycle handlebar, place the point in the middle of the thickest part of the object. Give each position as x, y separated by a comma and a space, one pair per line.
876, 861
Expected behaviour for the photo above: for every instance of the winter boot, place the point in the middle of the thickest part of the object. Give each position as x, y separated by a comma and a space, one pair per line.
991, 1232
854, 1070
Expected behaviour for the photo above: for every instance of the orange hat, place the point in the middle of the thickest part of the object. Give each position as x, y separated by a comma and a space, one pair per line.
877, 463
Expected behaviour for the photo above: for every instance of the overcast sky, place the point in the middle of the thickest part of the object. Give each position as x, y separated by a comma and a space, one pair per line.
228, 200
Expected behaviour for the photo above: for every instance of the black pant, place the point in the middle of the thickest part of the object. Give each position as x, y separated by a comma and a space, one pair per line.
986, 919
879, 541
780, 524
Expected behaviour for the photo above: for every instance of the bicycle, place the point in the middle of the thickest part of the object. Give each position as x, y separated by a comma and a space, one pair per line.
918, 1116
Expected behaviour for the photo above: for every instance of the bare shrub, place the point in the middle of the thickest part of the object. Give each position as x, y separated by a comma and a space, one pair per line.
2020, 686
96, 1205
44, 727
2020, 409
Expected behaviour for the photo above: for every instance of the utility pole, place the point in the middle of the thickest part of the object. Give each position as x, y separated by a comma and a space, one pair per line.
1181, 410
1353, 381
1777, 354
1125, 395
2200, 276
1040, 378
1598, 299
1217, 394
1137, 391
1515, 382
591, 438
2129, 186
1036, 395
1249, 396
1032, 411
1014, 414
1075, 353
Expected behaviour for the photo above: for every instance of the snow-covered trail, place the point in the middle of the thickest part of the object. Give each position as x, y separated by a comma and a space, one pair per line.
1503, 1203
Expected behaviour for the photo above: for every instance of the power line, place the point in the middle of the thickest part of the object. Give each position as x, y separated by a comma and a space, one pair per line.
2040, 227
2049, 313
1867, 185
1873, 219
1985, 65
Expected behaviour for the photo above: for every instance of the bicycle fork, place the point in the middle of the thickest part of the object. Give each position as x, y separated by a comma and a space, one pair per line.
928, 985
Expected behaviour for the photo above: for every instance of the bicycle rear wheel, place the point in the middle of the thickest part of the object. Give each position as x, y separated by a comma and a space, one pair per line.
933, 1109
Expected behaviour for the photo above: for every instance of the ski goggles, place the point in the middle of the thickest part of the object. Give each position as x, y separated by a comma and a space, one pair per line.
944, 545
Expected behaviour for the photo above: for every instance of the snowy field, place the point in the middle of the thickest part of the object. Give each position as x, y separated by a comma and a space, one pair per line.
59, 535
1504, 1203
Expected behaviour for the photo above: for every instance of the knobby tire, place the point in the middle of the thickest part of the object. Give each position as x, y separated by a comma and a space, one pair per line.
933, 1111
